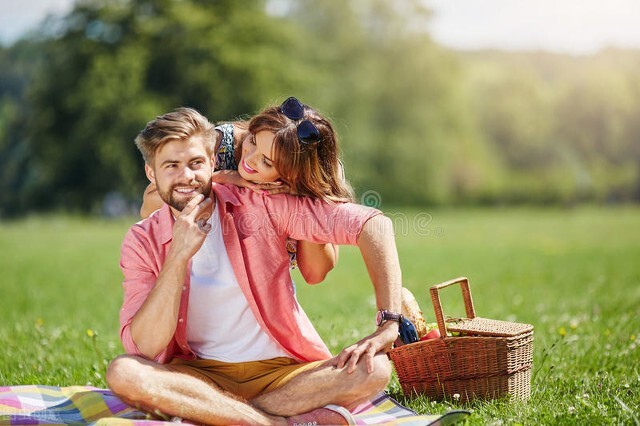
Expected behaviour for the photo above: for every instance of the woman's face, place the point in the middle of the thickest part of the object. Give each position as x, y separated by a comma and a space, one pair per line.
256, 163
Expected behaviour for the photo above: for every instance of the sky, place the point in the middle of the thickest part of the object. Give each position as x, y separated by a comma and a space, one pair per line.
18, 16
566, 26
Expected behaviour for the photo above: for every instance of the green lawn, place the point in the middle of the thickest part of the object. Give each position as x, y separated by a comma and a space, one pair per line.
574, 274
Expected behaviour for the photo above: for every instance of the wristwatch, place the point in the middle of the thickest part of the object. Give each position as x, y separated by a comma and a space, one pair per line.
383, 316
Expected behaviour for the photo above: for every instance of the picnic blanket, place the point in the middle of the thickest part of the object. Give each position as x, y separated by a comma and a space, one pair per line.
51, 405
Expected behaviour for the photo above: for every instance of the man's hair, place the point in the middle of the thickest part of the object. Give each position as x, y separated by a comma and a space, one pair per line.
312, 170
179, 125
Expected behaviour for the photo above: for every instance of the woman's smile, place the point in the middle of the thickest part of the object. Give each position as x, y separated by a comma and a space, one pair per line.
247, 168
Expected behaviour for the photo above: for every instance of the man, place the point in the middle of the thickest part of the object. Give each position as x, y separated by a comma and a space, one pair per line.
210, 323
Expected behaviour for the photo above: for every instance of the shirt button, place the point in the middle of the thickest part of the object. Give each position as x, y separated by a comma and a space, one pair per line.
184, 288
181, 320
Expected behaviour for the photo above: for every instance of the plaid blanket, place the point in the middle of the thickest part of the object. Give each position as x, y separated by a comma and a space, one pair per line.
50, 405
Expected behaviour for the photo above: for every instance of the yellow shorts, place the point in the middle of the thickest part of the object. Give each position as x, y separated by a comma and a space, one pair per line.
244, 379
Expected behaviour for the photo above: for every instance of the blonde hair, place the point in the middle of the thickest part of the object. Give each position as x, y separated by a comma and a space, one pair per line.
313, 169
180, 124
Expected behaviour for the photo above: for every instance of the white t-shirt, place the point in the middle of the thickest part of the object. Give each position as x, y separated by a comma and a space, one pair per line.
220, 323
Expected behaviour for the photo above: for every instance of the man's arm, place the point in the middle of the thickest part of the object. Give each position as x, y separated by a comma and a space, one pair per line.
378, 248
346, 223
154, 325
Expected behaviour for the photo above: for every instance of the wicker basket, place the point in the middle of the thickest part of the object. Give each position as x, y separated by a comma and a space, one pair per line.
490, 359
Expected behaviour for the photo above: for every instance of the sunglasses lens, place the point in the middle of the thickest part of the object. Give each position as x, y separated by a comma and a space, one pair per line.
307, 132
292, 108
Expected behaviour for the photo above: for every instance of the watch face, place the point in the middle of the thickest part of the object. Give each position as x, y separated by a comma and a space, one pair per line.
379, 318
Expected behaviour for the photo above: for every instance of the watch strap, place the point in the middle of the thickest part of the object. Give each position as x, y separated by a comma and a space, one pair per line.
385, 315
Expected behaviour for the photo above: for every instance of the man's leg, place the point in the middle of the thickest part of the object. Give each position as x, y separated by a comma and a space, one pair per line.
325, 385
152, 387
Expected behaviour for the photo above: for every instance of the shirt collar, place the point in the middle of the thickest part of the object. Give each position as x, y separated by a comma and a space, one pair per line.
226, 194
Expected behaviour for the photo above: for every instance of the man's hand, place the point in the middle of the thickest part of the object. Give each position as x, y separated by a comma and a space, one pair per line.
367, 348
188, 234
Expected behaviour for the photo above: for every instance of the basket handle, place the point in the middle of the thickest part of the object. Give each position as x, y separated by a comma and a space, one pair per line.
437, 306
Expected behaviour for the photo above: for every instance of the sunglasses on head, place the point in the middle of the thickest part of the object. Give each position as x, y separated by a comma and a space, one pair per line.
307, 132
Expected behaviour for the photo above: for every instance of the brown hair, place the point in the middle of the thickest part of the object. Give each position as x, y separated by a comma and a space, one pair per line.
180, 124
309, 169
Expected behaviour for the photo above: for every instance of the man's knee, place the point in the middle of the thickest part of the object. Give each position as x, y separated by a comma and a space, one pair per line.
381, 373
374, 382
123, 373
367, 385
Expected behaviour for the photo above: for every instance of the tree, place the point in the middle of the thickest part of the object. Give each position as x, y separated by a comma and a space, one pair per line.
16, 72
392, 91
116, 65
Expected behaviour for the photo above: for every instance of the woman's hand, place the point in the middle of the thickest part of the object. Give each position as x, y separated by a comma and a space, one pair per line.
232, 177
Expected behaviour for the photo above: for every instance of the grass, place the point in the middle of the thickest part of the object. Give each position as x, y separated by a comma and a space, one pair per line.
574, 274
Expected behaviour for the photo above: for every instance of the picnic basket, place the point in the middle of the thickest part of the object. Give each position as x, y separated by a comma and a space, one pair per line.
488, 359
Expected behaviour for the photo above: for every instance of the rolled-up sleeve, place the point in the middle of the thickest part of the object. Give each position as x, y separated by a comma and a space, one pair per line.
140, 275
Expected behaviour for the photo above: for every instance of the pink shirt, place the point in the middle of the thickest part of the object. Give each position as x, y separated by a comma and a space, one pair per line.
255, 228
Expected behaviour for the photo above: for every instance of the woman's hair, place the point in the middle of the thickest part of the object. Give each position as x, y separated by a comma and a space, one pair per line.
180, 124
309, 169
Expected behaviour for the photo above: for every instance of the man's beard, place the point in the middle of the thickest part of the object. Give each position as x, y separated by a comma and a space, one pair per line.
179, 204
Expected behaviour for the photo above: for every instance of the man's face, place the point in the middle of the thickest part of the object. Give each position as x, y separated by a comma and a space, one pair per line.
181, 170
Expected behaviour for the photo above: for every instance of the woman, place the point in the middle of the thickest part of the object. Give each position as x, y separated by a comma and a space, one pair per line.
291, 148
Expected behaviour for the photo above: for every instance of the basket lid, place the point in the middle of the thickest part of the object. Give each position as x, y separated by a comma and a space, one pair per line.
487, 327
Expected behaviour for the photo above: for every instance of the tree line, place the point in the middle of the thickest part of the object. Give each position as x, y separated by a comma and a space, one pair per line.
419, 124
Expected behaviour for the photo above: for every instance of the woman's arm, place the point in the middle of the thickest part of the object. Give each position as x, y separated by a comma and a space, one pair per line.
316, 260
232, 177
151, 201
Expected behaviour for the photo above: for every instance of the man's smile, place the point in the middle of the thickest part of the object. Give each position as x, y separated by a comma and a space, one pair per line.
186, 189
